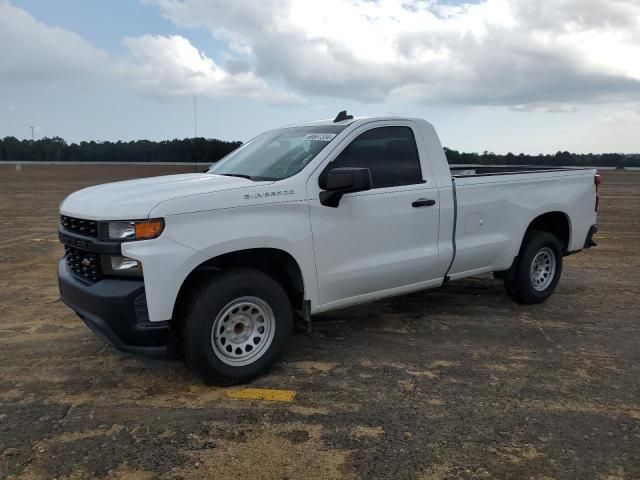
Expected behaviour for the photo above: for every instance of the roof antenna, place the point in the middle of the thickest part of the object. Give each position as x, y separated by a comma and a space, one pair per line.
342, 116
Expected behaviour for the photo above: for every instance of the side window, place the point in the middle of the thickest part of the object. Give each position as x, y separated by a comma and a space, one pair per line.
390, 153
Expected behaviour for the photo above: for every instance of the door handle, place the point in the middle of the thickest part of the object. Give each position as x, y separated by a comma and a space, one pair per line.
423, 202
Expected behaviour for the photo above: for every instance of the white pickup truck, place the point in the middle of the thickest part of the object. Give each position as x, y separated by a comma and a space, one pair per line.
301, 220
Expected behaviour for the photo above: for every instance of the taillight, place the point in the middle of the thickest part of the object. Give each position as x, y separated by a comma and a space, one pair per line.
597, 179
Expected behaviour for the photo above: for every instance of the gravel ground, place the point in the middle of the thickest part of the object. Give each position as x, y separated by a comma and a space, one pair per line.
456, 382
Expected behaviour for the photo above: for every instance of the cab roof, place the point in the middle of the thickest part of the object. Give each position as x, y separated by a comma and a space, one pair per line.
354, 120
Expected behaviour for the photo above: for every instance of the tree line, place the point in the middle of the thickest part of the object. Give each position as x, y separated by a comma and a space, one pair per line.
206, 150
617, 160
57, 150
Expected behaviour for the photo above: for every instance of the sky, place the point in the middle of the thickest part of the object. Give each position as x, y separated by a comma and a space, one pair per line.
490, 75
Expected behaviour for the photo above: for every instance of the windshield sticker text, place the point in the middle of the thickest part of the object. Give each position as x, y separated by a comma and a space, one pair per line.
321, 137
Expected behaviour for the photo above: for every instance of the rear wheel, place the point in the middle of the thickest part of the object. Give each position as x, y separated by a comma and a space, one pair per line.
236, 326
537, 269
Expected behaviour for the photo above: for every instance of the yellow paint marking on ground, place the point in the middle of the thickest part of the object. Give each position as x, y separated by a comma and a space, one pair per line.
261, 394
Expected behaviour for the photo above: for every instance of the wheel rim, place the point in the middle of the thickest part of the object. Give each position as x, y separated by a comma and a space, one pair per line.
243, 331
543, 269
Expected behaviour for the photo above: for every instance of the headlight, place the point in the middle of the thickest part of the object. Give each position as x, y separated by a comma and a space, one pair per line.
135, 229
119, 265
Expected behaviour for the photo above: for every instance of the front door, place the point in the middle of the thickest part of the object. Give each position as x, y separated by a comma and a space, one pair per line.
384, 238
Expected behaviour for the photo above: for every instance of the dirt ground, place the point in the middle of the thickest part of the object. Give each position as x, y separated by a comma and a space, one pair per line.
456, 382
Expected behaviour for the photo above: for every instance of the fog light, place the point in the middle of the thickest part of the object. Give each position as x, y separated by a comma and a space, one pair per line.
119, 265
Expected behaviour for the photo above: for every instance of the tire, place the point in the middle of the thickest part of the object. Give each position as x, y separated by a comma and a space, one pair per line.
534, 284
252, 317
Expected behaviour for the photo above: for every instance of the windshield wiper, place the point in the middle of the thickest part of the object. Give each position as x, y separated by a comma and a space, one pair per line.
249, 177
239, 175
266, 179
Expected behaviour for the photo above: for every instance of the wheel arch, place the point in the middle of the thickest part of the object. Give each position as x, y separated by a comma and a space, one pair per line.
556, 222
277, 263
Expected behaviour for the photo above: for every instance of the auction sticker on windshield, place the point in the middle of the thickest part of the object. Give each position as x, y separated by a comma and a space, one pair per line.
322, 137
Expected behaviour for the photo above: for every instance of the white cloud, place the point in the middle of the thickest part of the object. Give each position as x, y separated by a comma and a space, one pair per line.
172, 66
33, 51
551, 108
497, 52
551, 55
629, 115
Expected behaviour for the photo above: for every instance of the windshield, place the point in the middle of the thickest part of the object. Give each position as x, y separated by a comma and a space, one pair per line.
277, 154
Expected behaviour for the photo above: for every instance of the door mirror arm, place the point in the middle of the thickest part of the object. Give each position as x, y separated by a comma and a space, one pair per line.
339, 181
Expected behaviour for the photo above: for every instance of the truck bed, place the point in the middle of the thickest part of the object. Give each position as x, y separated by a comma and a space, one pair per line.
461, 171
495, 204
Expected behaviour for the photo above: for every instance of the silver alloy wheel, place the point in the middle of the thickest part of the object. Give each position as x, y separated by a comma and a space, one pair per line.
243, 331
543, 269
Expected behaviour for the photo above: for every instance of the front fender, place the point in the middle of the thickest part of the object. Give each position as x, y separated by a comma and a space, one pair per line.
193, 238
165, 265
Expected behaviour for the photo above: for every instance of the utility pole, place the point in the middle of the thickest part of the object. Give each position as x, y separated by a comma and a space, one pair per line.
195, 133
195, 117
33, 138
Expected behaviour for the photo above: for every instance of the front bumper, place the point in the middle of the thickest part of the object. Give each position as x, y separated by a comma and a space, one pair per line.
115, 310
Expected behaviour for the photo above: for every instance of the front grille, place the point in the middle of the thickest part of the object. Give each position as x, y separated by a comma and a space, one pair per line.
88, 228
83, 264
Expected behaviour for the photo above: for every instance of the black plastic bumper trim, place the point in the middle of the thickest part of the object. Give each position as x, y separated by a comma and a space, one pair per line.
108, 309
589, 242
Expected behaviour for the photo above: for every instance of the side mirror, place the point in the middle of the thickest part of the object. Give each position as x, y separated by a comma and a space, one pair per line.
338, 181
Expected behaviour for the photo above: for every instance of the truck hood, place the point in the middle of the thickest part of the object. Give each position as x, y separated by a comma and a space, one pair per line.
134, 199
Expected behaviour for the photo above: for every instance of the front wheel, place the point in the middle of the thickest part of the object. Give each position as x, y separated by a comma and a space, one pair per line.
235, 326
537, 270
